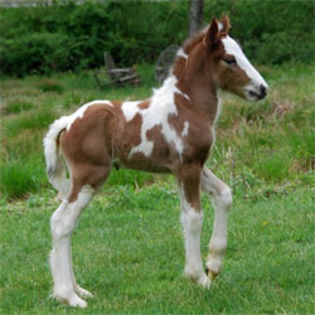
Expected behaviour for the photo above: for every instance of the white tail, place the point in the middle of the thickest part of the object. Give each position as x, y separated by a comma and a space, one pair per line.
54, 165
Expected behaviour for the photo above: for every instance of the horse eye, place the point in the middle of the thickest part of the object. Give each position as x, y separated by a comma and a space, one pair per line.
230, 61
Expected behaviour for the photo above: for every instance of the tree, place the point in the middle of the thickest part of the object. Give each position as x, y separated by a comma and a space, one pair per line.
195, 15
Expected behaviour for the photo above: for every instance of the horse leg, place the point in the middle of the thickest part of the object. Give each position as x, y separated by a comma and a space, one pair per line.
62, 225
81, 291
222, 200
192, 219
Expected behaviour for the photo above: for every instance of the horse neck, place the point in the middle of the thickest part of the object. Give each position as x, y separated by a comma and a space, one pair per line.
197, 83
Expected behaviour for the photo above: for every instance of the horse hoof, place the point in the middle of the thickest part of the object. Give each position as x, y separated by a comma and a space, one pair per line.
204, 282
72, 300
75, 301
211, 274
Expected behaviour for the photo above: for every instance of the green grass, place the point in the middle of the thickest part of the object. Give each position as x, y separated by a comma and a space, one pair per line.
128, 247
17, 177
49, 85
128, 251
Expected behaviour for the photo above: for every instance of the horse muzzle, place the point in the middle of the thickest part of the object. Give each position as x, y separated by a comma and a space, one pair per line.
256, 93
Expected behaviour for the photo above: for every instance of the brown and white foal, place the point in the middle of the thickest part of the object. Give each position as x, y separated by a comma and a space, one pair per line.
173, 131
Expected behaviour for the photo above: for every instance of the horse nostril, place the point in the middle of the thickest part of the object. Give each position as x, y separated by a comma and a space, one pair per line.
263, 91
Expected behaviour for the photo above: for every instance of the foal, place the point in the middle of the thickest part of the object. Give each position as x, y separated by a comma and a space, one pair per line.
173, 131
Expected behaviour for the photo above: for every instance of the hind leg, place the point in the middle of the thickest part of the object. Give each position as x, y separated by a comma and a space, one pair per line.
79, 290
63, 222
62, 225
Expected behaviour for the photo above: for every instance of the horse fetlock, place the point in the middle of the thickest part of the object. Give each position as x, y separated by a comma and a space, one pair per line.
198, 276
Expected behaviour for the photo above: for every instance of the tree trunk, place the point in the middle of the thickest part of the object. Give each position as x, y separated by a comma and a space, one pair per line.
195, 15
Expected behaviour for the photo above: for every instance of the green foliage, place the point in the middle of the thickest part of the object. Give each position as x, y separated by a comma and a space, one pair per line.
30, 120
73, 37
48, 85
15, 107
274, 168
20, 176
128, 177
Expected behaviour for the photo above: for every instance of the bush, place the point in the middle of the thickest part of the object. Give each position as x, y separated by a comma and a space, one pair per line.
73, 37
271, 32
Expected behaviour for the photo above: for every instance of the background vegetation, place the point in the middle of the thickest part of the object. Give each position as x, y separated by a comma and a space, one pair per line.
128, 248
73, 37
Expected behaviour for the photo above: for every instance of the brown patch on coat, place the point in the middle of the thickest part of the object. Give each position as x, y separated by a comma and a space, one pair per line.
199, 139
179, 66
188, 46
188, 175
86, 148
145, 104
126, 136
231, 79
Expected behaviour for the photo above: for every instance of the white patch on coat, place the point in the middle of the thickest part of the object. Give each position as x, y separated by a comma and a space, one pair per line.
80, 112
181, 53
130, 109
231, 47
185, 95
161, 107
185, 129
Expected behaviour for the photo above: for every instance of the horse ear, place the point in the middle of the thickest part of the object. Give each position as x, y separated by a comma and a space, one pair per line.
212, 37
225, 22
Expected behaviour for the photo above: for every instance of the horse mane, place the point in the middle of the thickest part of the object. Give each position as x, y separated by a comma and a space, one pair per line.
193, 40
189, 44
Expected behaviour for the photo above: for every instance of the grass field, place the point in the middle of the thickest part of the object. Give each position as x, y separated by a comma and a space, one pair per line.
128, 247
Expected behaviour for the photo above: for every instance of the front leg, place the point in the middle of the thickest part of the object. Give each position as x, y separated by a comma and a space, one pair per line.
222, 200
192, 218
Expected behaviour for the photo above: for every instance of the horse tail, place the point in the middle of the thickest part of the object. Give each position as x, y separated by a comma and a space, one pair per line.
54, 165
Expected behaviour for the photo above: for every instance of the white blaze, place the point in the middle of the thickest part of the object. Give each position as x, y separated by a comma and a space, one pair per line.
232, 48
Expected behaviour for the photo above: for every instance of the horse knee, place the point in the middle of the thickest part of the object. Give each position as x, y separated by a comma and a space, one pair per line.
61, 223
224, 198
